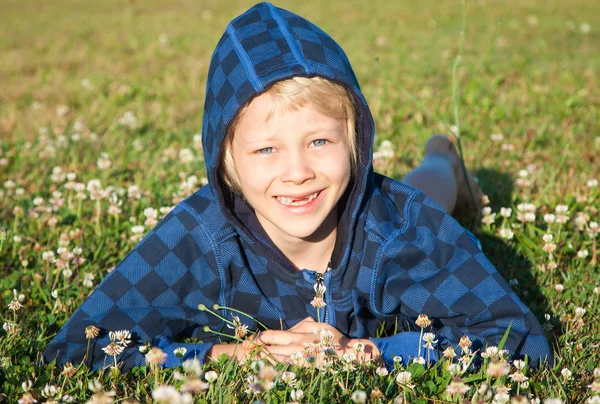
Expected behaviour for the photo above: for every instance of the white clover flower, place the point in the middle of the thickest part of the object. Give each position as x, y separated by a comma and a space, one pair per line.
579, 312
113, 349
186, 156
138, 229
129, 120
506, 233
582, 253
48, 256
562, 209
122, 337
50, 391
211, 376
180, 351
62, 110
138, 145
505, 212
165, 210
585, 28
359, 347
156, 356
151, 213
288, 378
454, 369
381, 371
497, 137
519, 364
359, 397
547, 238
486, 210
593, 229
420, 360
297, 395
348, 357
104, 162
566, 373
559, 287
532, 20
93, 185
403, 377
592, 183
169, 395
326, 337
490, 352
134, 192
430, 340
549, 218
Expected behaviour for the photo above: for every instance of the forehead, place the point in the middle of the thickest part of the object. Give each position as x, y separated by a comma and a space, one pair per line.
264, 117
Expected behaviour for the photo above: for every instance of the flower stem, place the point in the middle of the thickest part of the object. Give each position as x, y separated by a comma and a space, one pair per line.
242, 313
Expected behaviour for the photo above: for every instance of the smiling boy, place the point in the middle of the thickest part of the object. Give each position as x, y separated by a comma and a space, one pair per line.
295, 226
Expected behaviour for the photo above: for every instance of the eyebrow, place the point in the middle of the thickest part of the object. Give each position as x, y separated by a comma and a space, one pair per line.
308, 132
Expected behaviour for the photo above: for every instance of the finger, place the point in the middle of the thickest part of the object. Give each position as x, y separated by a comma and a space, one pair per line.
312, 327
273, 358
303, 321
276, 337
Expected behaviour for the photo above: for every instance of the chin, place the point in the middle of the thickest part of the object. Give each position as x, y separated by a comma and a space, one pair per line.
302, 232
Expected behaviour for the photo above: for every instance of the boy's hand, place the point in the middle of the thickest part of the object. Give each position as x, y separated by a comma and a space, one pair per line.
282, 344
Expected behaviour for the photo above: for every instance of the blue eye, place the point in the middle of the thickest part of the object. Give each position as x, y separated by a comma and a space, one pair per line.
265, 150
319, 142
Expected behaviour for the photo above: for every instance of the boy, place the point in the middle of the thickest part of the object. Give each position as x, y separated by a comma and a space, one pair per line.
295, 226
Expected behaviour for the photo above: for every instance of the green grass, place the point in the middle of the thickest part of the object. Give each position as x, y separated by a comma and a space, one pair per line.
527, 72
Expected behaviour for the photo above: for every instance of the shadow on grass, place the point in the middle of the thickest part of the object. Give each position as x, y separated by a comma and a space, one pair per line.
509, 262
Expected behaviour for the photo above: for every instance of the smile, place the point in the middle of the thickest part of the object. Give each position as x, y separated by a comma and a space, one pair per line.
297, 201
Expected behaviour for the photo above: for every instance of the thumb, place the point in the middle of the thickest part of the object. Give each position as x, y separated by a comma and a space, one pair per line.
302, 322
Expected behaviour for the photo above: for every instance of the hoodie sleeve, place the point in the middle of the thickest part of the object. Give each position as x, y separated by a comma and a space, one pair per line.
153, 293
436, 267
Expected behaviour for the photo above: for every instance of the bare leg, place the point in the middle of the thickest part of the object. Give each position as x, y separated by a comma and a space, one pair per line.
440, 177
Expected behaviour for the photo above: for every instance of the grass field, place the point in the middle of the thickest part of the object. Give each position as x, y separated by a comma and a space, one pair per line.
113, 91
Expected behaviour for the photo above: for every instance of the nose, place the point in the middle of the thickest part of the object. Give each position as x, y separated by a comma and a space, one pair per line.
297, 169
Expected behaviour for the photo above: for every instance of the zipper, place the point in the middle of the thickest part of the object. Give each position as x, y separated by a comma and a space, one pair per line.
321, 282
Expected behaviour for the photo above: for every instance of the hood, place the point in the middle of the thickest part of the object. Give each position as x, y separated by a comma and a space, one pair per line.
264, 45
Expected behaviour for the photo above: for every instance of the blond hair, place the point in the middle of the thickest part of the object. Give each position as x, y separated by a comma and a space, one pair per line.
326, 97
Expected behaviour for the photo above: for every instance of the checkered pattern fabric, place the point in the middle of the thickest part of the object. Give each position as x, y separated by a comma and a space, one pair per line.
402, 255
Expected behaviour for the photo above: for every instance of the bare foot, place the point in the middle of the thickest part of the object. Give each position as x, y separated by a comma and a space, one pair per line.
443, 146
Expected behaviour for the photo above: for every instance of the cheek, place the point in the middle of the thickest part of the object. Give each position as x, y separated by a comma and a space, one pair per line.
254, 176
337, 166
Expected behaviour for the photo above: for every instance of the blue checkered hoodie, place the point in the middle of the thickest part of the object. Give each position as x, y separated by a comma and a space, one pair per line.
398, 254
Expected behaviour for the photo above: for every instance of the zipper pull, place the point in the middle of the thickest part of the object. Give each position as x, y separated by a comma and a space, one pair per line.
320, 285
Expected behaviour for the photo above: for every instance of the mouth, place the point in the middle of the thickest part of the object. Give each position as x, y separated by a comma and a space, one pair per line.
300, 200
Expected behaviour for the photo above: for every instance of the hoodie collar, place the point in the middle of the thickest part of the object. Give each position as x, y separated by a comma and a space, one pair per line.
262, 46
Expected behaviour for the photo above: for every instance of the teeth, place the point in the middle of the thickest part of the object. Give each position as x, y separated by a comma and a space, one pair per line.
291, 202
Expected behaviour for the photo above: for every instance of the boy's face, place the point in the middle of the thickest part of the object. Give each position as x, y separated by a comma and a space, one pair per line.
293, 170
